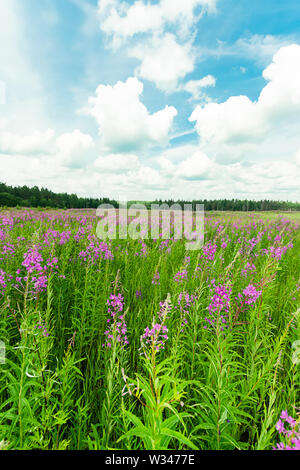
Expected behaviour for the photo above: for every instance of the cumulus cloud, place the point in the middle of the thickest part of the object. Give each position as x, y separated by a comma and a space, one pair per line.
147, 177
117, 163
35, 143
241, 129
196, 167
165, 57
164, 61
247, 148
186, 162
73, 148
124, 121
277, 180
68, 150
123, 175
282, 94
233, 121
120, 20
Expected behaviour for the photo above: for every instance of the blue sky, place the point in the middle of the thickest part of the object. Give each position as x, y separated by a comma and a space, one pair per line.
145, 99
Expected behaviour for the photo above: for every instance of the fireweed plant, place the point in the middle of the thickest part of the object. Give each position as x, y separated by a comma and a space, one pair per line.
289, 429
139, 344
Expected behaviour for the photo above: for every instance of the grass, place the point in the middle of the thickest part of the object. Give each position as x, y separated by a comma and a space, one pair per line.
201, 379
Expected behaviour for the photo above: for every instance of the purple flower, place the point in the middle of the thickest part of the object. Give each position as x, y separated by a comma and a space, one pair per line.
280, 426
155, 279
251, 294
291, 436
219, 304
138, 294
156, 336
181, 276
117, 326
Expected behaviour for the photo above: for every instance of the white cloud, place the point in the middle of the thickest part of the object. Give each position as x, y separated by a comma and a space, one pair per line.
122, 20
24, 88
232, 121
35, 143
165, 57
147, 177
124, 121
69, 150
247, 148
269, 127
177, 10
138, 18
282, 93
117, 163
73, 148
256, 47
195, 87
277, 180
130, 179
164, 61
166, 166
195, 167
297, 157
185, 162
261, 48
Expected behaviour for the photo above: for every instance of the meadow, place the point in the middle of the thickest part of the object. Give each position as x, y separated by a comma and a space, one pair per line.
140, 344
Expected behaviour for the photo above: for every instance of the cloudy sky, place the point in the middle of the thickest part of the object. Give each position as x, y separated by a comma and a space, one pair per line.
151, 98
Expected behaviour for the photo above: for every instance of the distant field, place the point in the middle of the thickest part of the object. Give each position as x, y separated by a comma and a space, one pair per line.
140, 344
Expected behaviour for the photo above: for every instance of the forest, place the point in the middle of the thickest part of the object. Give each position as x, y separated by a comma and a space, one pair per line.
23, 196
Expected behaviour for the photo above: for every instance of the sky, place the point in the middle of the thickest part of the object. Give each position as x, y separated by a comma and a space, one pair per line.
146, 99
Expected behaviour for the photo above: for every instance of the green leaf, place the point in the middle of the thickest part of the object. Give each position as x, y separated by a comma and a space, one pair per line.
180, 437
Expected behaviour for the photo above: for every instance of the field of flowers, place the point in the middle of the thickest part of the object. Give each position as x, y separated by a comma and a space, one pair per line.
140, 344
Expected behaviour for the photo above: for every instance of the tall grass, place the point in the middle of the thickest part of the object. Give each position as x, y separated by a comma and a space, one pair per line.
211, 371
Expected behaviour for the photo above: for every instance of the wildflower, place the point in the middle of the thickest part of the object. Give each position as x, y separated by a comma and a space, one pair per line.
156, 336
184, 303
219, 305
181, 276
155, 279
291, 436
32, 260
94, 251
249, 268
251, 294
280, 426
117, 326
209, 251
3, 282
143, 251
40, 283
42, 328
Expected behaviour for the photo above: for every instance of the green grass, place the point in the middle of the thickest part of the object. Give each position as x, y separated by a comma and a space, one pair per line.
207, 389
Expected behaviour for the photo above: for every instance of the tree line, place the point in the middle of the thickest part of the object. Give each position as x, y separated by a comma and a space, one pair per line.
23, 196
